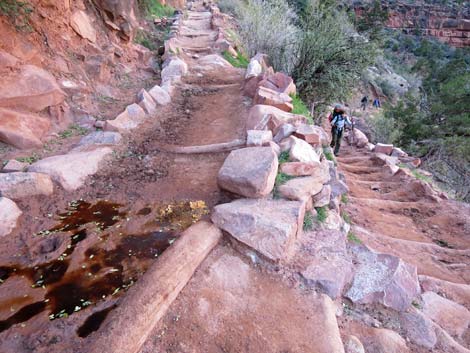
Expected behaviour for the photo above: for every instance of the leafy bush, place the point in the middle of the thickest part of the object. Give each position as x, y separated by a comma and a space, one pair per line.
284, 157
145, 39
268, 27
353, 238
308, 221
155, 9
240, 61
331, 56
301, 108
322, 214
18, 12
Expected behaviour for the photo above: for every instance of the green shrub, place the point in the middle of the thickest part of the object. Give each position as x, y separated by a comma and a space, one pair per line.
145, 39
308, 221
284, 157
155, 9
346, 217
353, 238
29, 159
344, 199
322, 214
282, 178
328, 154
240, 61
301, 108
18, 12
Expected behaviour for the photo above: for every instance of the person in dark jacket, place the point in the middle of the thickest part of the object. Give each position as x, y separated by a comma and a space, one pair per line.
364, 102
339, 120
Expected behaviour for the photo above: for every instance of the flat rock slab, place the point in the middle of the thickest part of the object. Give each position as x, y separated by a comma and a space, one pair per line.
273, 98
452, 317
19, 185
14, 166
301, 189
260, 115
324, 261
228, 303
268, 226
22, 130
146, 102
382, 278
71, 170
128, 120
258, 138
81, 24
310, 134
159, 95
99, 138
9, 214
419, 329
299, 168
383, 148
250, 172
31, 88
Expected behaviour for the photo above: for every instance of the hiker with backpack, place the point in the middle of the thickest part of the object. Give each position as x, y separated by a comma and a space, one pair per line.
364, 102
338, 121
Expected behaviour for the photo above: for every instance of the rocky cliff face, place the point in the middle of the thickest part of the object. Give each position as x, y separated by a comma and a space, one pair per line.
448, 21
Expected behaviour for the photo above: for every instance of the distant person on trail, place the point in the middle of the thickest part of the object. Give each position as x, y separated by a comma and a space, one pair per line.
364, 102
338, 121
376, 103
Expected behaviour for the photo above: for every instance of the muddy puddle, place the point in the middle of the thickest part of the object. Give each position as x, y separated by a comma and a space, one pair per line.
95, 252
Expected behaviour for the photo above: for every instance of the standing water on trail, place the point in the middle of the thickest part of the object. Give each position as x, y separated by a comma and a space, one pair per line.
100, 251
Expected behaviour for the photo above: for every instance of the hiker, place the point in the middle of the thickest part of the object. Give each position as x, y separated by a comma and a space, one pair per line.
338, 122
364, 102
376, 103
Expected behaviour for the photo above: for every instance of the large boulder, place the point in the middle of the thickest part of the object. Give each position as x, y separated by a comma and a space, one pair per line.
383, 341
325, 262
383, 148
323, 197
382, 278
31, 88
132, 117
352, 344
254, 69
22, 130
301, 151
19, 185
268, 226
146, 102
9, 214
273, 98
300, 189
250, 172
81, 24
159, 95
258, 137
282, 83
451, 316
360, 139
260, 115
173, 69
71, 170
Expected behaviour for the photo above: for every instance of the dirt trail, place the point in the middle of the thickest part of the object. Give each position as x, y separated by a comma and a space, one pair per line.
121, 224
393, 214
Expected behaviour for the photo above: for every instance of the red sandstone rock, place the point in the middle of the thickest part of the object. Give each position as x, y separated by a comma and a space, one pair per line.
14, 166
383, 278
308, 133
383, 148
9, 214
19, 185
129, 119
31, 88
300, 189
250, 172
299, 168
301, 151
270, 97
258, 138
22, 130
268, 226
260, 115
81, 24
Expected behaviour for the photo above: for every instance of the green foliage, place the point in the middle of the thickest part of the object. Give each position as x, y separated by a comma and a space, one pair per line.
353, 238
308, 221
330, 57
155, 9
282, 178
73, 130
145, 39
346, 217
18, 12
328, 154
29, 159
344, 199
301, 108
240, 61
267, 27
372, 20
284, 157
322, 214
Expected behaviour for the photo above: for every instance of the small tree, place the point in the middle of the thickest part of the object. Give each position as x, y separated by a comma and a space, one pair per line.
331, 55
